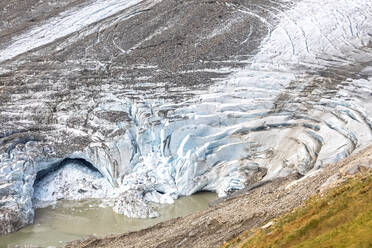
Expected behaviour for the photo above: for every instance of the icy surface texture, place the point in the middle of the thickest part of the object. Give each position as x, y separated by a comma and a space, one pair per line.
72, 182
297, 98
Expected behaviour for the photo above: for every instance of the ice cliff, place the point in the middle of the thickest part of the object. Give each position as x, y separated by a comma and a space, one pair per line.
149, 101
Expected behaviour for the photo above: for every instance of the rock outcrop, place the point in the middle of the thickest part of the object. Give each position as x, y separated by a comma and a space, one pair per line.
168, 98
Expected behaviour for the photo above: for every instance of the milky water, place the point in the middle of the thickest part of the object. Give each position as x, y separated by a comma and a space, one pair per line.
71, 220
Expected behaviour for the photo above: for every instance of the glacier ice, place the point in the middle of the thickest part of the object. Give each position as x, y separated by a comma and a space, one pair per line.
302, 102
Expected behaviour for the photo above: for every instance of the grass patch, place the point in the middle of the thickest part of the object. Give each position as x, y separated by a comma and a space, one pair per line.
341, 218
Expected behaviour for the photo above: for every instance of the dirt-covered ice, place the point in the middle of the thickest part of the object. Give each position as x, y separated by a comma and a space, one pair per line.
164, 100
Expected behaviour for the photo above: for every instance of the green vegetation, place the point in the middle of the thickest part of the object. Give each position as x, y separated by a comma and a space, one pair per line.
340, 218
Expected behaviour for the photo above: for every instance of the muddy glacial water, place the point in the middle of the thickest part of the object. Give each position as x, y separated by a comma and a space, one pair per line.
71, 220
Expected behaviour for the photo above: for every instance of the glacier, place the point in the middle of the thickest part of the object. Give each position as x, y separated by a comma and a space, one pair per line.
301, 101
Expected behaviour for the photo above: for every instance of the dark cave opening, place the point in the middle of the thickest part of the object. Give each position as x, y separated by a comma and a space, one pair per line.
60, 164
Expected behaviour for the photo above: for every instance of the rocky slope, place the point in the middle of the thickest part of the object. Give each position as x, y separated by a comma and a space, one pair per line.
168, 98
340, 217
